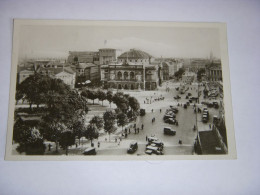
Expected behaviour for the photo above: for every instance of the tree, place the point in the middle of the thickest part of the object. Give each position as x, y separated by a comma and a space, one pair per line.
109, 121
121, 101
109, 97
91, 132
101, 96
179, 73
89, 94
67, 139
122, 120
133, 103
97, 121
31, 142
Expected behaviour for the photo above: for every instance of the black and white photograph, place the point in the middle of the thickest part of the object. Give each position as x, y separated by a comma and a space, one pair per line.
119, 90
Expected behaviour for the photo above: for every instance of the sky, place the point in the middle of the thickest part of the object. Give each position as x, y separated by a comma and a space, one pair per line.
176, 42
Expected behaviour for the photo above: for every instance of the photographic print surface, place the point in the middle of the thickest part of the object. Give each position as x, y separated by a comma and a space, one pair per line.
101, 90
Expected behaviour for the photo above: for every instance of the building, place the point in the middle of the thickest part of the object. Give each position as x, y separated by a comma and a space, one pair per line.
132, 75
135, 56
24, 74
87, 72
83, 57
188, 77
66, 74
210, 142
214, 71
108, 55
165, 71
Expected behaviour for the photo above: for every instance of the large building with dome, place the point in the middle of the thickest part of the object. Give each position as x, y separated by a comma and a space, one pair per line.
134, 70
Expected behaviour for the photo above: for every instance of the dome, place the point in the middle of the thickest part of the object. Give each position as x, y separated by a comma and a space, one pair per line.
136, 54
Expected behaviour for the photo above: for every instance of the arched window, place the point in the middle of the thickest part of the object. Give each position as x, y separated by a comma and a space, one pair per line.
119, 75
125, 75
132, 75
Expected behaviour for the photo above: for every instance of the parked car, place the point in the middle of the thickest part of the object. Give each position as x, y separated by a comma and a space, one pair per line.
90, 151
156, 143
151, 139
154, 150
132, 147
167, 116
170, 121
169, 131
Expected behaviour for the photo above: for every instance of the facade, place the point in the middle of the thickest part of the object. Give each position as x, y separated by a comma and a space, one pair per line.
87, 72
165, 71
214, 72
108, 55
67, 78
66, 74
83, 57
130, 76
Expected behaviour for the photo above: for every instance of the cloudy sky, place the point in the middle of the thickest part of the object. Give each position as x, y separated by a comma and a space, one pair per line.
57, 41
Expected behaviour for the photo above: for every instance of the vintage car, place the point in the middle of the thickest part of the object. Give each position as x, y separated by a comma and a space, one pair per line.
90, 151
170, 121
154, 150
169, 131
132, 147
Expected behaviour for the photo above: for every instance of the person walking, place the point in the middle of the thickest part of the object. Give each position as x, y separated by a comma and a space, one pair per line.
142, 126
146, 138
98, 144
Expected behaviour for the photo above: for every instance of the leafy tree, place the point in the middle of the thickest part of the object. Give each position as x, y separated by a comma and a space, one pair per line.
109, 121
97, 121
31, 142
132, 115
121, 101
109, 97
91, 132
122, 120
89, 94
18, 95
133, 103
101, 96
67, 138
179, 73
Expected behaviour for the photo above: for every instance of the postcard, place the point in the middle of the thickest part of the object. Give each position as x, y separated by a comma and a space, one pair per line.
119, 90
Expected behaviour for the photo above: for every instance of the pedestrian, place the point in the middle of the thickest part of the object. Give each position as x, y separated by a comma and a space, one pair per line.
119, 143
98, 144
153, 119
146, 138
49, 147
180, 141
152, 110
210, 126
129, 131
142, 126
137, 130
160, 110
115, 139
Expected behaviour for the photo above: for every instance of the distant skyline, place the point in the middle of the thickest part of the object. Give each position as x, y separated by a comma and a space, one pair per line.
176, 42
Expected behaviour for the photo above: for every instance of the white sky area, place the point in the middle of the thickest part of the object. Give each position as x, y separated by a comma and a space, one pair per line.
57, 41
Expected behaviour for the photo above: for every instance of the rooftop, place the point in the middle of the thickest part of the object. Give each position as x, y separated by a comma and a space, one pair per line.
134, 53
210, 143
